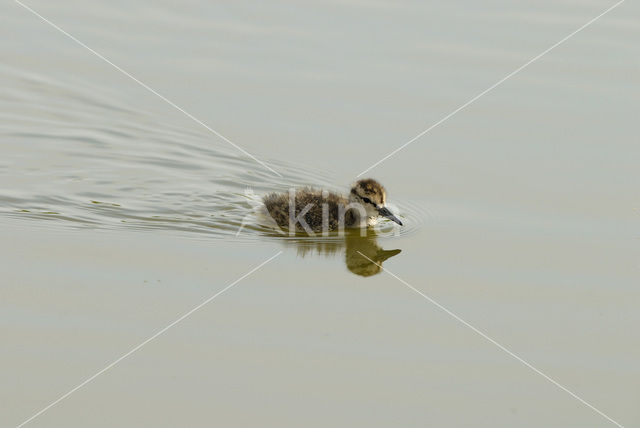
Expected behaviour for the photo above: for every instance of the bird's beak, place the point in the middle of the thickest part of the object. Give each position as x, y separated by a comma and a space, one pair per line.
386, 213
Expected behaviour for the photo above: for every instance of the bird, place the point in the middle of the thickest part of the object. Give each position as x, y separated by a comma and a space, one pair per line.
316, 210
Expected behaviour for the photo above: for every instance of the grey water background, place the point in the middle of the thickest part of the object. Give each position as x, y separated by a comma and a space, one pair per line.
118, 213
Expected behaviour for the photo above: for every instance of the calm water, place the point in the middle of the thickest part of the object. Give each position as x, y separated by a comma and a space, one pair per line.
118, 214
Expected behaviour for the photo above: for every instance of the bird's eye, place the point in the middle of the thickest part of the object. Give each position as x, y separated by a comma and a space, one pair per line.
367, 200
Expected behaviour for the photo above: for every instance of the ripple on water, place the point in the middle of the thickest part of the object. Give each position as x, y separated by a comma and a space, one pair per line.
76, 158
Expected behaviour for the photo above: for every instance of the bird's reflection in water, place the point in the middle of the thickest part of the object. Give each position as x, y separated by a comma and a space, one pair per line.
355, 247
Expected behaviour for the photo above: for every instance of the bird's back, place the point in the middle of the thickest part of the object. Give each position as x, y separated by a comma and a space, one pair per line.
277, 205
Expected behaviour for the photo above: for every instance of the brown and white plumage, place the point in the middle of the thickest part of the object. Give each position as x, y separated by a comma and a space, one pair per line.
323, 210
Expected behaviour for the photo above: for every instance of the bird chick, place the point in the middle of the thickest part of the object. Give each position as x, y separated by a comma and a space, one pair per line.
311, 210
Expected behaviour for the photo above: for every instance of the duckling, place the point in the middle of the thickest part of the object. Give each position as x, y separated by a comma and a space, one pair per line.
315, 210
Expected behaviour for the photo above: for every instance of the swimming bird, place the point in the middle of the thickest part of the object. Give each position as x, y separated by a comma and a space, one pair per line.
319, 210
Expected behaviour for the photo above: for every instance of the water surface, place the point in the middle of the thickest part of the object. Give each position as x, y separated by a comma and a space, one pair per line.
118, 214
